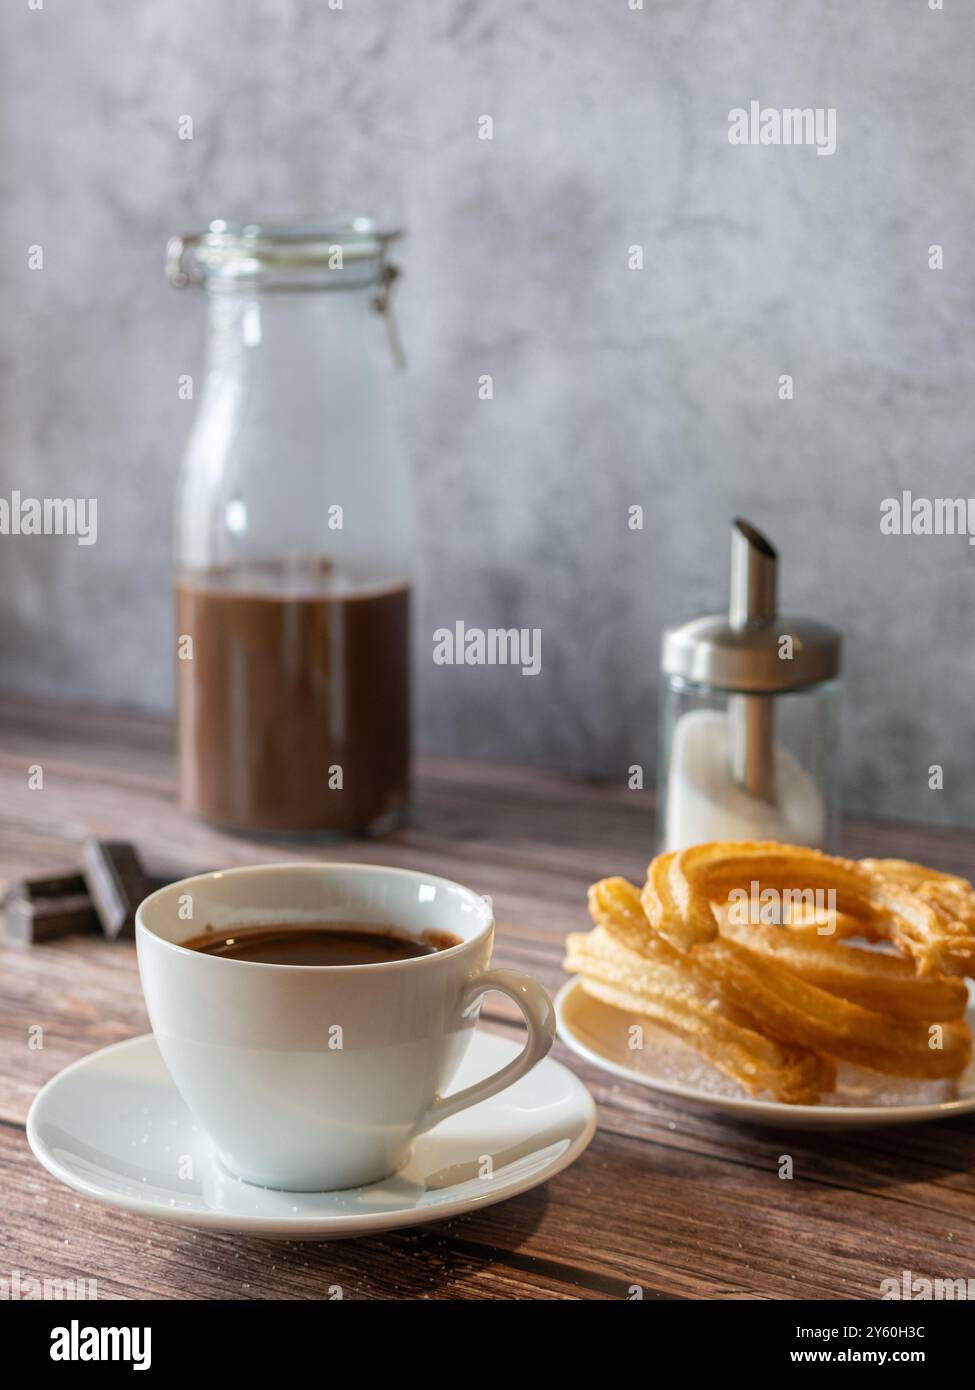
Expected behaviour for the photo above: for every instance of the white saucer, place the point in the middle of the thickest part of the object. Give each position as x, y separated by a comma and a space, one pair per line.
599, 1032
114, 1127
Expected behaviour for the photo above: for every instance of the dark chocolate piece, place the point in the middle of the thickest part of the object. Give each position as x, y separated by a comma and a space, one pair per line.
52, 886
117, 883
30, 916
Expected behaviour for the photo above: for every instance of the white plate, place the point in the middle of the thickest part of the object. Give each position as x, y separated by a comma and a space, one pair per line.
114, 1127
599, 1033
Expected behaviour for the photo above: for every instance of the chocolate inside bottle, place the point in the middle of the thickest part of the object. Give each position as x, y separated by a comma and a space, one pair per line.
294, 706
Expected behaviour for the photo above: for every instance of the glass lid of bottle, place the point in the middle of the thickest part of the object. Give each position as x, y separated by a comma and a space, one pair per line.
345, 254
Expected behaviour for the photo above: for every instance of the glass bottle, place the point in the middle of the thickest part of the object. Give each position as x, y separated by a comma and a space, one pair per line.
293, 536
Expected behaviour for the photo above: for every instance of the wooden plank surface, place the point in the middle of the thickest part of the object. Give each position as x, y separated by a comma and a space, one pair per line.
680, 1204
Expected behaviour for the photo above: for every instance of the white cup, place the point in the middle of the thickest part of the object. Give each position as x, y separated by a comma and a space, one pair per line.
316, 1077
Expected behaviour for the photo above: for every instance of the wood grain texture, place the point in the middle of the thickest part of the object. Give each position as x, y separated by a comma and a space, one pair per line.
680, 1204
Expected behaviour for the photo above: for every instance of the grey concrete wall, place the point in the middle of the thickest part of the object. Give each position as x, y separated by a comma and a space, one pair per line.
613, 387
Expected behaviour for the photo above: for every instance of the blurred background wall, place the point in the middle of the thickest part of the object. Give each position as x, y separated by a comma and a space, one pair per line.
613, 387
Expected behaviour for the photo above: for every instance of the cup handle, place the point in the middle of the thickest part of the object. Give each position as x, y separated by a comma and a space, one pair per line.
539, 1017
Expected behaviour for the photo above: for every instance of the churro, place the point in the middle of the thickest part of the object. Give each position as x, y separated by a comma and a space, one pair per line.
678, 895
880, 981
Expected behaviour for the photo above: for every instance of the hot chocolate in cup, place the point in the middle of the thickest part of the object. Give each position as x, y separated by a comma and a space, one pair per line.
313, 1077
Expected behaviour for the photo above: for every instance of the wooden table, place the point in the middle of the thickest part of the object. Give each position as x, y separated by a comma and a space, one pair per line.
682, 1205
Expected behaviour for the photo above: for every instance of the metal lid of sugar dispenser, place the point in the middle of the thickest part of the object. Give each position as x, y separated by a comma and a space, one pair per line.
746, 648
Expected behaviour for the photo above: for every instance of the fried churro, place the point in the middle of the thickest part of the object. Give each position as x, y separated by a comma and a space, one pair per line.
879, 981
678, 897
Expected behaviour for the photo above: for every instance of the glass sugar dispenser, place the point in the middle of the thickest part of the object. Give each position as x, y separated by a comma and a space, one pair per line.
749, 717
